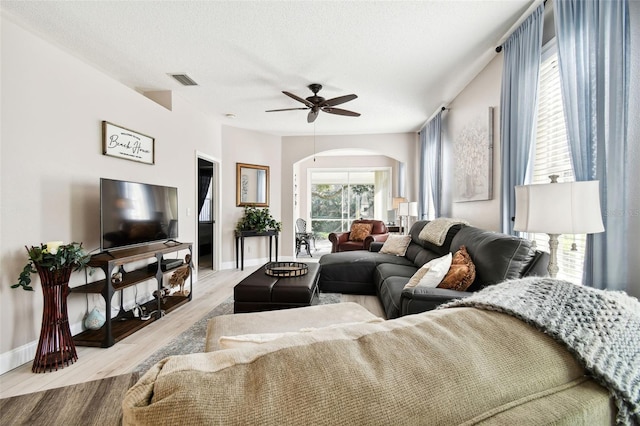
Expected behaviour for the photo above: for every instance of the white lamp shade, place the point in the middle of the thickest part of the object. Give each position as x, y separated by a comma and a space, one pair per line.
413, 209
559, 208
403, 209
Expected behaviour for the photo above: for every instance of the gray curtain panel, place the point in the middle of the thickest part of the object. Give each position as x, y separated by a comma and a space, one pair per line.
594, 59
518, 107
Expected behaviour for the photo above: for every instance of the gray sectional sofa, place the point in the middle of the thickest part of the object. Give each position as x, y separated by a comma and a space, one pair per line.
497, 257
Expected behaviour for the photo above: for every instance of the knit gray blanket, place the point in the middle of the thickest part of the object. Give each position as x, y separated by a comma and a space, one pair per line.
600, 328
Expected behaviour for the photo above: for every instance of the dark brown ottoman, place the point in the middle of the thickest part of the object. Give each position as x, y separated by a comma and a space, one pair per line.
262, 292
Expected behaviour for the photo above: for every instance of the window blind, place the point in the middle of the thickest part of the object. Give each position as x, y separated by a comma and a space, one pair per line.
552, 157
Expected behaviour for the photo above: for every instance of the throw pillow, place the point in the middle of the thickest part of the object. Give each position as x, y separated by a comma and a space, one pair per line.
359, 231
396, 245
431, 272
462, 272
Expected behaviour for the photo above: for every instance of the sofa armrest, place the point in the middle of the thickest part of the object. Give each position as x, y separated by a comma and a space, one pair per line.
379, 238
375, 247
338, 238
420, 299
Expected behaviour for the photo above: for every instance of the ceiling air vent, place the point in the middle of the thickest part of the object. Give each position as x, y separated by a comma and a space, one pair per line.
184, 79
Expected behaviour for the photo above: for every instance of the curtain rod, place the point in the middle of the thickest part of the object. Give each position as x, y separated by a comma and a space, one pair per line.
441, 109
519, 22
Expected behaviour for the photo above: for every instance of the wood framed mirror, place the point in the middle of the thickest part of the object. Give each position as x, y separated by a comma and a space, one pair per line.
252, 185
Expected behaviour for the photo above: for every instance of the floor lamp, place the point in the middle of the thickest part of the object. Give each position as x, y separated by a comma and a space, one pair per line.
558, 208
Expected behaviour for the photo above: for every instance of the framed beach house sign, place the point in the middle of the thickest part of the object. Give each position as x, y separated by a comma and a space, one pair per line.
124, 143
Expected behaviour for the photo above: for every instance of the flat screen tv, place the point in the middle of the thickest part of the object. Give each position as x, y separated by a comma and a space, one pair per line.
133, 213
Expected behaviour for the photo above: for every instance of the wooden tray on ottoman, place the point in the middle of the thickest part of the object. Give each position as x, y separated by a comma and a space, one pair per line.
286, 269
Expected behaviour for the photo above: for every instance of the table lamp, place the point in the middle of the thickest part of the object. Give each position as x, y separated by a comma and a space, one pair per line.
407, 210
396, 206
413, 209
413, 212
403, 211
558, 208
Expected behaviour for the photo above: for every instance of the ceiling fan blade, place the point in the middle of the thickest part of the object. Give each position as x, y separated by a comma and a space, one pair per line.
284, 109
340, 111
299, 99
313, 114
337, 101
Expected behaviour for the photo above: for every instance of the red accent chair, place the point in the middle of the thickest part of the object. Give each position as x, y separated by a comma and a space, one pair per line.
340, 240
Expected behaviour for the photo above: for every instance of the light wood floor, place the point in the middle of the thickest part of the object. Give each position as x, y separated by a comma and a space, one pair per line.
211, 289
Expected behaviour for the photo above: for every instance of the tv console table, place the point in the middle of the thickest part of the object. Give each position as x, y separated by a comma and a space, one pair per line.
125, 324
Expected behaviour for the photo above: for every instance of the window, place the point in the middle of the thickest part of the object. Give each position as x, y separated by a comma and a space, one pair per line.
552, 157
205, 214
340, 196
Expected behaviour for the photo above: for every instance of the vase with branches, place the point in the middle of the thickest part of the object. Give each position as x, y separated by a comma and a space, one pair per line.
54, 262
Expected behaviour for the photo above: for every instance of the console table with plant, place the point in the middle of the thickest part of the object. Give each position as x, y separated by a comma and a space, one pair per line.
256, 222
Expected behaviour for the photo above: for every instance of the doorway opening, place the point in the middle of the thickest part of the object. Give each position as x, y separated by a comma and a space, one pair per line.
206, 214
340, 196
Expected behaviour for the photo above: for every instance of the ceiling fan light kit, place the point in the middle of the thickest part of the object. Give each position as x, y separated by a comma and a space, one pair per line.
317, 103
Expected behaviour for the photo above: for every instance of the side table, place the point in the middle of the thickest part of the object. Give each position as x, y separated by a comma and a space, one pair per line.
395, 229
241, 235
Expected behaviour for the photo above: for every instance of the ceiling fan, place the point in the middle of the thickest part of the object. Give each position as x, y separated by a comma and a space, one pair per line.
316, 103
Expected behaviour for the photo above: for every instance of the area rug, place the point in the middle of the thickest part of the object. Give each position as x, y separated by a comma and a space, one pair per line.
193, 339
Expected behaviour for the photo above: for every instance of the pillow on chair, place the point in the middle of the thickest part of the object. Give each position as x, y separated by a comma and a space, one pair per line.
360, 231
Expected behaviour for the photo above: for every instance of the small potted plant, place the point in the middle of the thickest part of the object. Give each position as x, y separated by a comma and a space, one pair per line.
54, 259
259, 220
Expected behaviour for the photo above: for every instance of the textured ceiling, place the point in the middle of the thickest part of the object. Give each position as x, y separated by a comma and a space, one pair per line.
404, 59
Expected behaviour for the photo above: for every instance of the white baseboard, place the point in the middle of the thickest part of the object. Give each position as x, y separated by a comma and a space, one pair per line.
18, 356
25, 353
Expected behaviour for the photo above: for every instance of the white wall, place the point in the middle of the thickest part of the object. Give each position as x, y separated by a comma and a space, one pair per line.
250, 147
483, 92
52, 109
402, 147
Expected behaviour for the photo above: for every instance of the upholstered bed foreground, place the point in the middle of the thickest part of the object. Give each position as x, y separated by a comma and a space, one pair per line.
460, 365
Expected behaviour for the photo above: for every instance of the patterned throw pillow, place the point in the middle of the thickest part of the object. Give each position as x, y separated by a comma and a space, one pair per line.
462, 272
396, 245
431, 272
359, 231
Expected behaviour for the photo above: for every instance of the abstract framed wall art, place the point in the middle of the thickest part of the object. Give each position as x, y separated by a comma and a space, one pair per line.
124, 143
473, 159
